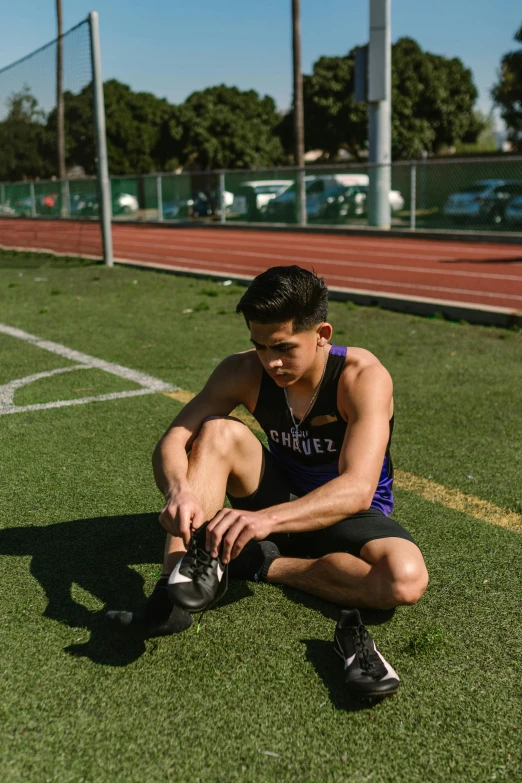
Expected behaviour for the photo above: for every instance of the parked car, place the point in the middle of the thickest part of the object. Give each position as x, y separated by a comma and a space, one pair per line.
178, 209
485, 200
334, 202
228, 198
360, 199
513, 211
24, 207
329, 197
122, 204
251, 198
281, 209
49, 204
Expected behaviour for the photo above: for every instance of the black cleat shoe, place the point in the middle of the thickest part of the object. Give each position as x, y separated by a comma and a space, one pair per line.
157, 617
367, 673
194, 583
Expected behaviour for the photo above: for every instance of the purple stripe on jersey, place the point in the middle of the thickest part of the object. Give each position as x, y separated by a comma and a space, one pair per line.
310, 477
338, 350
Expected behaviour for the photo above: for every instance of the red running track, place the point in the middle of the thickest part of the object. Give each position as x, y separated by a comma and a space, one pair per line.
476, 274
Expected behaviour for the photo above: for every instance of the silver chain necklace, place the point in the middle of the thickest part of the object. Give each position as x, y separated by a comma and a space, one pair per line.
310, 404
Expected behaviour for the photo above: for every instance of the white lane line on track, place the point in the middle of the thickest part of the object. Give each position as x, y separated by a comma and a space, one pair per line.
371, 281
278, 238
335, 262
356, 247
149, 384
315, 240
354, 290
380, 282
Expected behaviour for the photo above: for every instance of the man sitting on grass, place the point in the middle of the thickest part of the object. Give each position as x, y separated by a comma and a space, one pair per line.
312, 510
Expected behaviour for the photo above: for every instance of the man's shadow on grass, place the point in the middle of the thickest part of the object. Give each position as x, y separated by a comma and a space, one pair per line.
97, 555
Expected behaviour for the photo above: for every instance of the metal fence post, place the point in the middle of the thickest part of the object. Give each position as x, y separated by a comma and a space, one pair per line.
222, 205
413, 195
301, 198
66, 207
2, 194
159, 193
104, 187
33, 199
379, 114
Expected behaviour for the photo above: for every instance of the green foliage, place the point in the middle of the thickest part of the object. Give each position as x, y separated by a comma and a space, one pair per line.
23, 139
141, 129
507, 93
220, 127
432, 101
487, 138
224, 127
432, 104
333, 120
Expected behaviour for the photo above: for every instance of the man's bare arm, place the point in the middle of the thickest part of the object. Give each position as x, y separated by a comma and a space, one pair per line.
220, 395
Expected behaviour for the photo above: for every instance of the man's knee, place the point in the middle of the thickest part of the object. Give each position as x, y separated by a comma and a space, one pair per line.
219, 432
403, 584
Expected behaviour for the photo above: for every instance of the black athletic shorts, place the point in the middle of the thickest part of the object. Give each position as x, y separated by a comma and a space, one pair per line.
348, 535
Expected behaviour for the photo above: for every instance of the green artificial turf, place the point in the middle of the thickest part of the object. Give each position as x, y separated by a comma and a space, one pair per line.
257, 695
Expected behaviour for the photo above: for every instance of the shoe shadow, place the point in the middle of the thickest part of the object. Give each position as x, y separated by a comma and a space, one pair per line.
236, 590
329, 667
97, 555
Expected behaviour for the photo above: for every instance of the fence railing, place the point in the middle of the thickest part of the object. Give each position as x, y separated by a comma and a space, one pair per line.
469, 194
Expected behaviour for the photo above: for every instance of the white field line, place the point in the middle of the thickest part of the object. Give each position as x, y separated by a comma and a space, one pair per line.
223, 265
7, 391
149, 384
366, 264
80, 401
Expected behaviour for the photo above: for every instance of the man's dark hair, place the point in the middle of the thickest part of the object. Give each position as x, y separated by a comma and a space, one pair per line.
286, 293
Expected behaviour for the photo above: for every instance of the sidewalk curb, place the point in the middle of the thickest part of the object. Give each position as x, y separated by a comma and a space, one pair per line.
424, 306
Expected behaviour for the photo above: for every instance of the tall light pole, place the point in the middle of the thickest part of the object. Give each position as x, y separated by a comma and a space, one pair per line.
379, 113
298, 113
60, 140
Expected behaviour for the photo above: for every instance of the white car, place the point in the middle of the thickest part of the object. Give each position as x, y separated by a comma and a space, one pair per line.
252, 197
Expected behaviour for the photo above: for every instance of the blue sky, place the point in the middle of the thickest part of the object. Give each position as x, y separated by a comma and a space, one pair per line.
172, 48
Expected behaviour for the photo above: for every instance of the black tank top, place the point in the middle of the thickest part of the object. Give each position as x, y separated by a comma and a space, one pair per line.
311, 455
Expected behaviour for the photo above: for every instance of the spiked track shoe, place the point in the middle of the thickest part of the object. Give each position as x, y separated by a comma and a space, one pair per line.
194, 582
367, 674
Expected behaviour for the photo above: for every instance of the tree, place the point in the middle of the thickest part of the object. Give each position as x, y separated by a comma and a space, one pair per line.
224, 127
333, 120
23, 139
432, 101
432, 104
507, 93
487, 138
141, 129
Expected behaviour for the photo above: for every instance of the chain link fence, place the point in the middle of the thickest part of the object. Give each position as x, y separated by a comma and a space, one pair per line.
480, 194
29, 128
